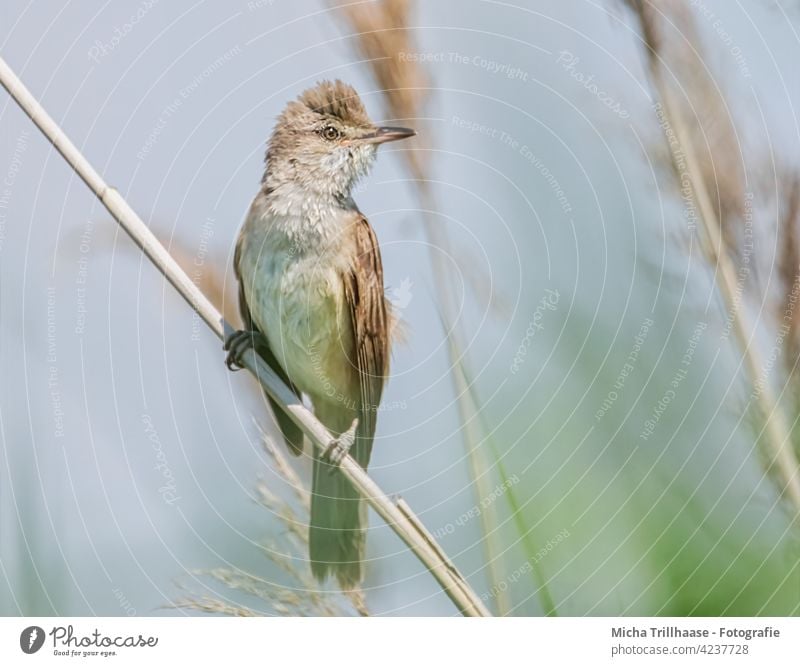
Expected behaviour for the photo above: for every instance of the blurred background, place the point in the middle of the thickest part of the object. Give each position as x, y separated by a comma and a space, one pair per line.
578, 411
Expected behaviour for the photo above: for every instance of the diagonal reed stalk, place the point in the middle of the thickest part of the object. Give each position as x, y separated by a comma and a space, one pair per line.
776, 439
404, 523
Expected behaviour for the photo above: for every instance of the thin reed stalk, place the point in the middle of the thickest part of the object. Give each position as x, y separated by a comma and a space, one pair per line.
382, 35
419, 541
776, 439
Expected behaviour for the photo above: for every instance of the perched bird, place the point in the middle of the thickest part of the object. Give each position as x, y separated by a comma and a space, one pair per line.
311, 295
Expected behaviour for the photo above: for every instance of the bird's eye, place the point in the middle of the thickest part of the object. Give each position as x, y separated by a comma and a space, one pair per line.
330, 133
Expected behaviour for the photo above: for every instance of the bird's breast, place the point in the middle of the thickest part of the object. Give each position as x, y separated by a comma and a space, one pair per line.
296, 298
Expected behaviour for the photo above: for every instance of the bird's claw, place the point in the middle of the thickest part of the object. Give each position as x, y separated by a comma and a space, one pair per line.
340, 447
236, 345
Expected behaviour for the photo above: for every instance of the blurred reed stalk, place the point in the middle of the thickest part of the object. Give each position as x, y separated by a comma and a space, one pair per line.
302, 595
788, 266
382, 35
716, 238
408, 529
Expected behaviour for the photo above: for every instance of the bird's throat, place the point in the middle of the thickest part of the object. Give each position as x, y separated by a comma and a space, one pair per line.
308, 218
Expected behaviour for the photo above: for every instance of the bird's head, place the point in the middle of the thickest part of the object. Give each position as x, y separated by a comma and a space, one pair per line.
324, 140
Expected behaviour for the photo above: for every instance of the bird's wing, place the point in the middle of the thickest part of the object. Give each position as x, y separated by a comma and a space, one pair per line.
365, 300
289, 429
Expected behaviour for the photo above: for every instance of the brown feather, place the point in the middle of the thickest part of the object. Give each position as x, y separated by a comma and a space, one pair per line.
364, 295
337, 99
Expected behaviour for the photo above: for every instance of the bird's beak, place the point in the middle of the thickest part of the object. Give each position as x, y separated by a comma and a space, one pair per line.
385, 134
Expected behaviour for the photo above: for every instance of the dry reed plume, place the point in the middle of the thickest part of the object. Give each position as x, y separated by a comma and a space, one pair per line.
382, 35
706, 154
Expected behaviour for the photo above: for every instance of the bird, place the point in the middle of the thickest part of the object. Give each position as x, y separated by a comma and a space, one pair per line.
312, 301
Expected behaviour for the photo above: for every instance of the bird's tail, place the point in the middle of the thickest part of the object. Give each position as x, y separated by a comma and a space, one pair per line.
337, 533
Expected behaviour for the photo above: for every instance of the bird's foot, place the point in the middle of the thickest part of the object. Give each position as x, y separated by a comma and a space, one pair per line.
340, 447
237, 344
